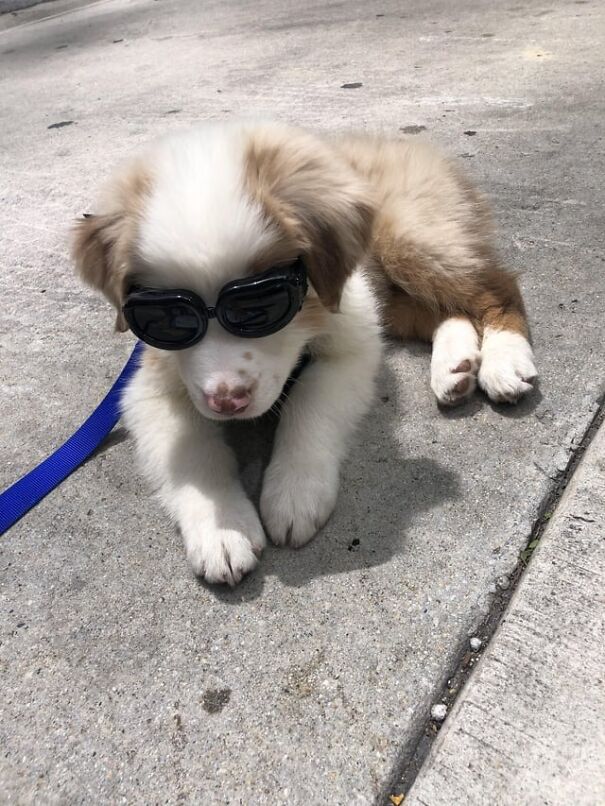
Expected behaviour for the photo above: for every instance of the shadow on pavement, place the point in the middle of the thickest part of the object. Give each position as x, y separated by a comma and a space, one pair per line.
381, 493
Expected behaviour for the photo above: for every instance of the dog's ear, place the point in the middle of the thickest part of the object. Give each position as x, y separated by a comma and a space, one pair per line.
97, 249
314, 197
339, 238
102, 244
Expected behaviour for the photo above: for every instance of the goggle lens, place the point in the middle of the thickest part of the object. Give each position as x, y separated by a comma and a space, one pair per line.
245, 314
170, 324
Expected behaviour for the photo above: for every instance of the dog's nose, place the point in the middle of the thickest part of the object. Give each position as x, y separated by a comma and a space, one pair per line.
230, 401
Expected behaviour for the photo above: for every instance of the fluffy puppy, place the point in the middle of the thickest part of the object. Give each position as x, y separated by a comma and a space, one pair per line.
391, 237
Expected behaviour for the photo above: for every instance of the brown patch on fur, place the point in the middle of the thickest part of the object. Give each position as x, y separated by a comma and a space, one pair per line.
102, 244
406, 318
432, 241
248, 356
152, 358
499, 304
463, 366
167, 379
315, 203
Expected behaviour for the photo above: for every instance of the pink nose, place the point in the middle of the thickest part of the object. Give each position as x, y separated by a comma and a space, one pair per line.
228, 402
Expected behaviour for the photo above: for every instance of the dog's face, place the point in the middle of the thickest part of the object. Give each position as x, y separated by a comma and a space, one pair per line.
218, 204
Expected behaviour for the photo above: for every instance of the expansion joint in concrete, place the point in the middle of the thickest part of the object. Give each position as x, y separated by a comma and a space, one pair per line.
416, 750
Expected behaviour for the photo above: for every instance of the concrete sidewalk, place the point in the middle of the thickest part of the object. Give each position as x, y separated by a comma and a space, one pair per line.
529, 726
123, 679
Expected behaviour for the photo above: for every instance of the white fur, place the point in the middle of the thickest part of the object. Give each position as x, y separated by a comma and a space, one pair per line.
507, 365
194, 472
455, 341
219, 359
199, 228
301, 482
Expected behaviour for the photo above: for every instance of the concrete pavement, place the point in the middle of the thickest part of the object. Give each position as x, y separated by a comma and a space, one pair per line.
123, 679
528, 728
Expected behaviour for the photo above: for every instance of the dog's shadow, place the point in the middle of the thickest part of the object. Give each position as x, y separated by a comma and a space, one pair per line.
382, 490
381, 493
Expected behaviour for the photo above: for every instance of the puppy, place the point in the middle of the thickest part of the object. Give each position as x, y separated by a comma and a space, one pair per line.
232, 250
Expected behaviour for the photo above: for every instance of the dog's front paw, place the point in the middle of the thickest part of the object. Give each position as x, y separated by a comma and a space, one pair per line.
227, 547
296, 501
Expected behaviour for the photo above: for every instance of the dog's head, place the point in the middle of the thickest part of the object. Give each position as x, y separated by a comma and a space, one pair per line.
222, 203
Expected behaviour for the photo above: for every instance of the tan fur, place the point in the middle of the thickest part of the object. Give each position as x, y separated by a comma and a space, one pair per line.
431, 246
406, 318
317, 204
425, 231
102, 243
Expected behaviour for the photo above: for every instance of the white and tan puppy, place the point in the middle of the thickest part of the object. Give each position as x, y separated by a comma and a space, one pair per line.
391, 237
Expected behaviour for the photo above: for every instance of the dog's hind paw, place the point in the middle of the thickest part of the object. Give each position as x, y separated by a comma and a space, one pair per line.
507, 366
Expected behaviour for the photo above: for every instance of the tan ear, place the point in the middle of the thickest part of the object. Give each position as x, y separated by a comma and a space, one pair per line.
316, 200
338, 243
98, 251
102, 245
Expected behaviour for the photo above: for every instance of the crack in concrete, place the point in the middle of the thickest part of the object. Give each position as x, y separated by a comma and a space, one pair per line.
417, 749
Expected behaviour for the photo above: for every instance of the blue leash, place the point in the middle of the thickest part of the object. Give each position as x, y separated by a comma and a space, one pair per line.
29, 490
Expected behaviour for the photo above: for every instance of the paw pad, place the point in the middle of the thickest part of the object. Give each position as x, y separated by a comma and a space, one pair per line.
463, 366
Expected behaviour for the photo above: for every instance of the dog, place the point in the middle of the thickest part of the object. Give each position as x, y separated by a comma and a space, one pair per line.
232, 249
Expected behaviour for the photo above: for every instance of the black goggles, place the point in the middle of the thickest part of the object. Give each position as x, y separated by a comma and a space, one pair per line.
251, 308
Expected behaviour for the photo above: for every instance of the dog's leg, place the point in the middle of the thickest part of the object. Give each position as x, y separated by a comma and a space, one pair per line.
456, 357
488, 302
507, 360
455, 360
195, 473
301, 483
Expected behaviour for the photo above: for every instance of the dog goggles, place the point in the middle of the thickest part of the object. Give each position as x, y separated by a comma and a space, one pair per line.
252, 307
